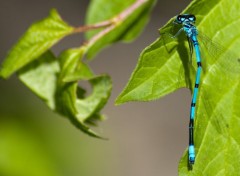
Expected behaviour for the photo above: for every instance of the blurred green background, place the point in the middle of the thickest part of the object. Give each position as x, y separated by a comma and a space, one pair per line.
146, 139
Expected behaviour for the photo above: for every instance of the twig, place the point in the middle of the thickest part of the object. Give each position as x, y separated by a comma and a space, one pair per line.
112, 23
94, 26
123, 15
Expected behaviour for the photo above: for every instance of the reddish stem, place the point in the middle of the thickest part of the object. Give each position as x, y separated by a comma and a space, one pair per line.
112, 23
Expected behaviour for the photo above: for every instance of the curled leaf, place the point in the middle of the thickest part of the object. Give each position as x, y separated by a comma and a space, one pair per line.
71, 99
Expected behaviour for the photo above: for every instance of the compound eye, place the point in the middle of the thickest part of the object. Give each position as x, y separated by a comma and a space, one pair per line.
179, 18
192, 18
182, 18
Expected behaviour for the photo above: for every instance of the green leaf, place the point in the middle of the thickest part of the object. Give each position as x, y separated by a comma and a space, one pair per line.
91, 105
164, 67
71, 101
156, 75
38, 39
56, 82
126, 30
41, 77
72, 69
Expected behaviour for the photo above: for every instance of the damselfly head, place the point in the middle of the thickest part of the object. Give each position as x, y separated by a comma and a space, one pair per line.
185, 18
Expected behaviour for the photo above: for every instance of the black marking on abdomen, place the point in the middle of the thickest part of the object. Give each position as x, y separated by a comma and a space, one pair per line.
199, 64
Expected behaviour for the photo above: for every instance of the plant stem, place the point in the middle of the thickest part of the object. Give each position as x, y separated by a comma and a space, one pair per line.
110, 24
119, 18
127, 12
91, 27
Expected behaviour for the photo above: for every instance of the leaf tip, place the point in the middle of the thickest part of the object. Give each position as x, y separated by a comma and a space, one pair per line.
119, 100
3, 73
54, 13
